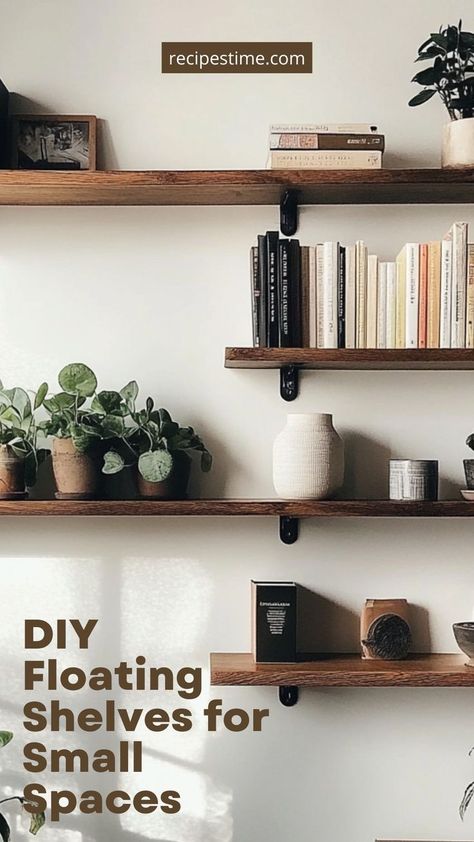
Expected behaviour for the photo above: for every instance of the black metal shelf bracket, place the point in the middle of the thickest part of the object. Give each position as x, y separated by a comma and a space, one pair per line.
289, 382
289, 527
289, 213
288, 696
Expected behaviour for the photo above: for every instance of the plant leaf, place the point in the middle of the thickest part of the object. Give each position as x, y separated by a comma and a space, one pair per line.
422, 96
40, 395
155, 465
113, 463
78, 379
5, 738
36, 822
107, 402
130, 393
4, 829
466, 800
206, 461
428, 76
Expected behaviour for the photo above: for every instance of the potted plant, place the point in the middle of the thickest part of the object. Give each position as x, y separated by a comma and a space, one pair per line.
78, 431
451, 75
469, 465
159, 448
19, 453
37, 820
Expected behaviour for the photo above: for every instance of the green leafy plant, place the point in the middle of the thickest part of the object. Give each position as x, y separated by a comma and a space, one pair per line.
37, 820
452, 73
153, 441
18, 429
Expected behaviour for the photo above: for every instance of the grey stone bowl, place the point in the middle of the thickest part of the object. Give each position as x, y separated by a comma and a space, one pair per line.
464, 634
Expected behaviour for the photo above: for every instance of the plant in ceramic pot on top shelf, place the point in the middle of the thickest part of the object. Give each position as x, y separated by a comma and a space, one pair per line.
159, 448
20, 455
451, 76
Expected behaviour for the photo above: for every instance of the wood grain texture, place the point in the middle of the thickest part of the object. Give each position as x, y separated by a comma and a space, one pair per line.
344, 671
235, 187
449, 359
235, 508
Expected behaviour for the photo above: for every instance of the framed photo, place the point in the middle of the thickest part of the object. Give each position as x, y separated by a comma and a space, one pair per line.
54, 142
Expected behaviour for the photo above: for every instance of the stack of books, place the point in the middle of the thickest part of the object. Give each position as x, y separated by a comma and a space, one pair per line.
330, 296
326, 146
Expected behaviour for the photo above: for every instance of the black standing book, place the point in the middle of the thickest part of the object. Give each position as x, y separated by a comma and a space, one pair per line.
295, 295
4, 139
341, 298
274, 622
262, 284
273, 325
284, 293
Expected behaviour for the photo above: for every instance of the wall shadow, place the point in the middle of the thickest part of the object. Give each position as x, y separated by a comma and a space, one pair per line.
366, 468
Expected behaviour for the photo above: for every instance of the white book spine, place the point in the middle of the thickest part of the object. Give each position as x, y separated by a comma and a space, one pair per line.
391, 319
372, 272
382, 306
446, 284
323, 128
313, 313
413, 293
330, 277
320, 295
361, 294
351, 297
459, 285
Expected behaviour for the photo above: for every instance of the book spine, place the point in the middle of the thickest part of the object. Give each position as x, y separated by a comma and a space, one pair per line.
382, 306
446, 284
341, 299
330, 279
320, 294
434, 294
401, 300
423, 297
284, 294
374, 142
470, 298
351, 297
412, 294
295, 294
319, 128
391, 305
262, 274
255, 295
313, 312
305, 317
361, 295
459, 285
372, 272
273, 328
325, 160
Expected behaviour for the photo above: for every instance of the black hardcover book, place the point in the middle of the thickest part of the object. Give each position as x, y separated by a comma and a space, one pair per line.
341, 298
4, 138
273, 326
274, 622
262, 283
255, 293
284, 293
295, 295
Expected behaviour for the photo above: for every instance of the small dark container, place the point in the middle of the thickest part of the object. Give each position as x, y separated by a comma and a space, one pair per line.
464, 634
469, 473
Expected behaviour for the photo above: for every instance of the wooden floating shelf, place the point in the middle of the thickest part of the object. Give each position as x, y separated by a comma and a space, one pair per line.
343, 671
236, 508
449, 359
236, 187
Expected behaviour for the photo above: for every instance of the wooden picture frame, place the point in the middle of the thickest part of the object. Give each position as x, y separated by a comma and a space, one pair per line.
54, 142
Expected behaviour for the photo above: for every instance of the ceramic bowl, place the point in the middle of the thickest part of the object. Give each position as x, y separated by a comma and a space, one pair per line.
468, 494
464, 634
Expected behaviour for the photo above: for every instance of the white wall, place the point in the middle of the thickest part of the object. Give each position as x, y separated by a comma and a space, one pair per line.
156, 293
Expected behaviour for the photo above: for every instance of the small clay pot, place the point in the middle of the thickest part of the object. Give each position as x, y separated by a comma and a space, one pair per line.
173, 488
469, 473
12, 474
76, 474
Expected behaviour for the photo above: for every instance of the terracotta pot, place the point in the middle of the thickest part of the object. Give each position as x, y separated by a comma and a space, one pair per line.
173, 488
12, 474
76, 474
458, 143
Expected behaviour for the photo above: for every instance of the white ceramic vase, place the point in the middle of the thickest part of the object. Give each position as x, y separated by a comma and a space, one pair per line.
308, 458
458, 143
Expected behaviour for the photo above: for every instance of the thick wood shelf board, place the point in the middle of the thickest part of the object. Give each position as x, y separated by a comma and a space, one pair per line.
235, 508
344, 671
235, 187
449, 359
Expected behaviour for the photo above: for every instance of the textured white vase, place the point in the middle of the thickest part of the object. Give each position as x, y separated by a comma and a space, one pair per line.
308, 458
458, 143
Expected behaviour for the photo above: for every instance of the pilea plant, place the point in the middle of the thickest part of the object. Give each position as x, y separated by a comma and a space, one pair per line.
452, 73
18, 429
37, 820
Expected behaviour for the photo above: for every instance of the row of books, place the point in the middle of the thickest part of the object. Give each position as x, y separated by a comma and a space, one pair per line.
330, 296
325, 146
